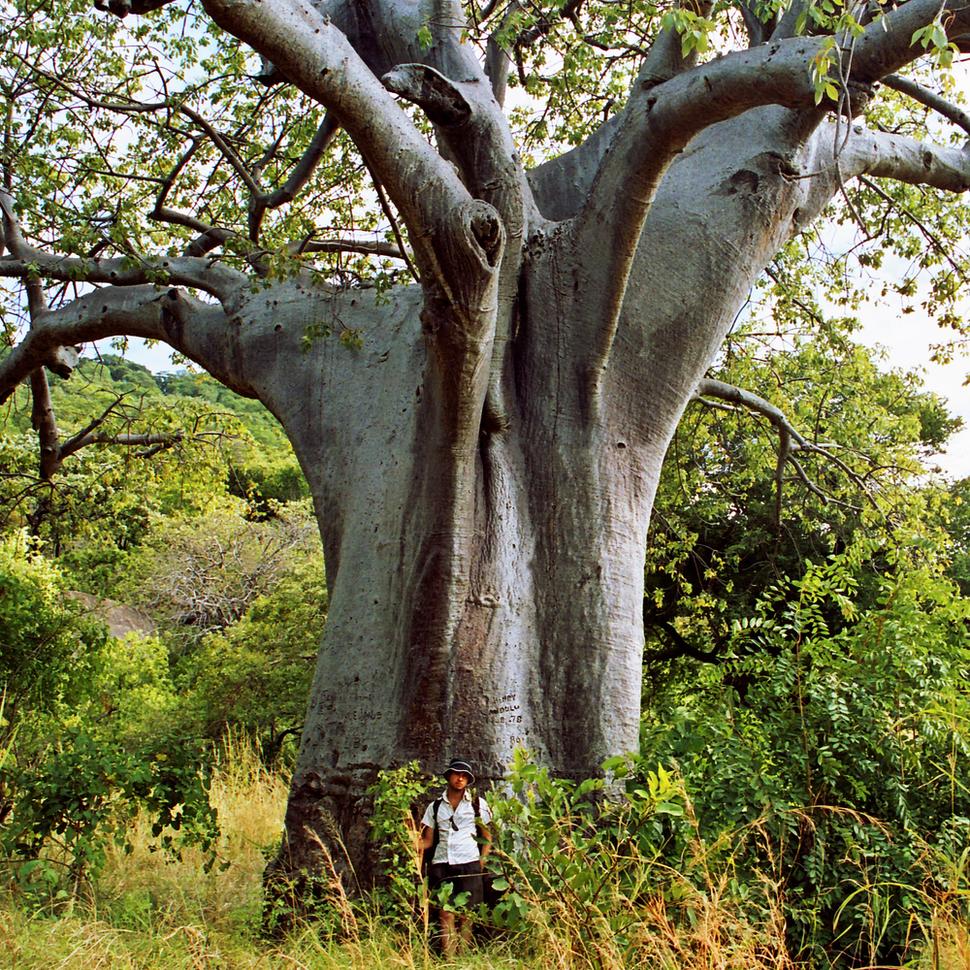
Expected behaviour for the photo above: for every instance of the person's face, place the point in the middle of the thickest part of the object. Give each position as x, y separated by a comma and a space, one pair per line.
458, 780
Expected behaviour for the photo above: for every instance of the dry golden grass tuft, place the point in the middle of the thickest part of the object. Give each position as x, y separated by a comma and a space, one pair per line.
150, 886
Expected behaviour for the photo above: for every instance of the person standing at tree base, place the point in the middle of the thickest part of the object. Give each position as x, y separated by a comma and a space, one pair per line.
454, 830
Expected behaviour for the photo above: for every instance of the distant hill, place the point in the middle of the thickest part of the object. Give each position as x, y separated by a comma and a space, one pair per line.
264, 466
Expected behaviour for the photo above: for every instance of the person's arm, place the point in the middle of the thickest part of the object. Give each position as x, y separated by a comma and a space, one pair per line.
484, 832
485, 841
424, 843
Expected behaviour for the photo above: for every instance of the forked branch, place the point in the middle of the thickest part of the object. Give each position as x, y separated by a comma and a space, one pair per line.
790, 440
659, 120
317, 57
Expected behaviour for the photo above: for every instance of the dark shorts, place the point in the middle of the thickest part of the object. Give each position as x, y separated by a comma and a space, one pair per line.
464, 878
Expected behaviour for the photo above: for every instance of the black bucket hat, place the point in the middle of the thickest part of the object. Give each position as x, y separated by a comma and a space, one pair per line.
460, 767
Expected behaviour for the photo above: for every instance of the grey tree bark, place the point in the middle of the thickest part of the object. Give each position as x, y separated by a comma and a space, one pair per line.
483, 469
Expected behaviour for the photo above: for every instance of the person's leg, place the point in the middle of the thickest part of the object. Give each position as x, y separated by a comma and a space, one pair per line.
449, 939
471, 884
440, 876
456, 929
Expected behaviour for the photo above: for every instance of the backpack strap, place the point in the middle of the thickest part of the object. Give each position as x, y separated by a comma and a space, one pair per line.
480, 827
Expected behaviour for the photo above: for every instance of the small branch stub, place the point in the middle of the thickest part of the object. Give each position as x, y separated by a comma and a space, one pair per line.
439, 97
63, 361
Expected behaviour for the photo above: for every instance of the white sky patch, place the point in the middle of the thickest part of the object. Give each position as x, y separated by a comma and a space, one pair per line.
907, 340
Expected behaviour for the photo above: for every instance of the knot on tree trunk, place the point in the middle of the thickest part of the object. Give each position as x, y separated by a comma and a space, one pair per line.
485, 230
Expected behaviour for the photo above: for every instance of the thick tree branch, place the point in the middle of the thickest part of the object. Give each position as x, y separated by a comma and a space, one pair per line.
12, 234
450, 87
158, 313
44, 423
666, 58
55, 355
364, 247
660, 120
316, 56
436, 95
200, 273
929, 98
788, 22
562, 185
887, 155
27, 262
334, 56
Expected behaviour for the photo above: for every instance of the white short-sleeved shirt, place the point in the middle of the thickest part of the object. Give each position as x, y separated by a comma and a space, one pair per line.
459, 847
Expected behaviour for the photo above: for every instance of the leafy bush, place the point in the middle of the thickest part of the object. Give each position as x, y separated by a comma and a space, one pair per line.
48, 644
84, 736
255, 675
201, 575
598, 873
86, 792
805, 801
846, 752
400, 795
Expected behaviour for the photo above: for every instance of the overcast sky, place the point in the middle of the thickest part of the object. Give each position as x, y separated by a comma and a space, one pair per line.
907, 339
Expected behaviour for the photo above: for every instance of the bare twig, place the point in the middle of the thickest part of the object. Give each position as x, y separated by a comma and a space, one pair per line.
389, 214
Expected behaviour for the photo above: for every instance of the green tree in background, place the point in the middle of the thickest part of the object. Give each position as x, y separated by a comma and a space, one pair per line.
731, 521
87, 736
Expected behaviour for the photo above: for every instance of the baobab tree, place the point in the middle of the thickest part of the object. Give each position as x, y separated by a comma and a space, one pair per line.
480, 399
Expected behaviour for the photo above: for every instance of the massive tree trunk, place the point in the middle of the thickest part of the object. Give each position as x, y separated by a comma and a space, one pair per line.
490, 597
484, 467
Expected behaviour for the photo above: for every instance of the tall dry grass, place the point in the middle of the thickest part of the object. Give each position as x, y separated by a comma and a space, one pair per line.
152, 912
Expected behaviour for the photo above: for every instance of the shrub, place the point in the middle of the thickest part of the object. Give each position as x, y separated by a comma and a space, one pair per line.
845, 752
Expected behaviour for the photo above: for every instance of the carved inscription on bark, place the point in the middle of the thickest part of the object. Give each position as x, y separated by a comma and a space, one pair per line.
508, 714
